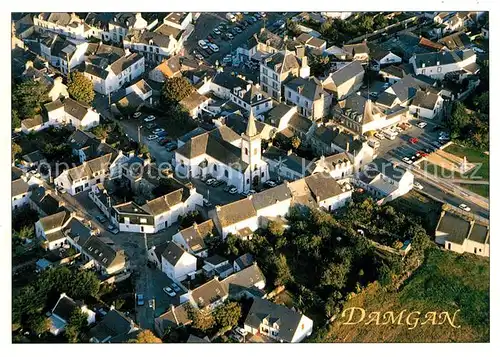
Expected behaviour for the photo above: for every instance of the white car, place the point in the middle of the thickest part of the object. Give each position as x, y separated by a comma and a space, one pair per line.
422, 124
213, 47
167, 290
233, 190
407, 161
210, 181
379, 136
137, 115
478, 50
158, 130
202, 44
418, 186
240, 331
271, 183
152, 137
464, 207
207, 203
399, 129
216, 31
249, 193
149, 118
229, 35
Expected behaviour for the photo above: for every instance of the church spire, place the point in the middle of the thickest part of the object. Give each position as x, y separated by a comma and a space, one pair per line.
251, 128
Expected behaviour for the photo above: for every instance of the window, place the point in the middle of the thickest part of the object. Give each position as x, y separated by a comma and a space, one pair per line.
263, 174
145, 48
265, 71
226, 173
157, 50
143, 220
267, 104
439, 69
255, 151
215, 167
86, 185
449, 246
248, 181
246, 151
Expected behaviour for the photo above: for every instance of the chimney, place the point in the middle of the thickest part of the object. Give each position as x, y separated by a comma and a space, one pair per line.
217, 208
347, 147
289, 152
195, 225
29, 64
112, 307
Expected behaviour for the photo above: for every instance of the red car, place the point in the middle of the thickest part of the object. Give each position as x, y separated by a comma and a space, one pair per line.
413, 140
422, 154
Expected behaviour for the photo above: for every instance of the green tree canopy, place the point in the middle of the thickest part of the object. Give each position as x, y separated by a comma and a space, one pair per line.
482, 102
80, 87
228, 314
203, 320
16, 149
295, 141
27, 98
16, 122
39, 323
176, 89
145, 336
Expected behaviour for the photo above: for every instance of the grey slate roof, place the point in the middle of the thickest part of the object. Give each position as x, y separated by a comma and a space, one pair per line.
282, 62
208, 293
64, 307
236, 212
196, 234
447, 57
456, 41
479, 233
347, 72
388, 169
426, 100
406, 88
104, 253
19, 187
114, 324
271, 196
244, 279
300, 123
310, 88
215, 260
244, 260
455, 226
173, 253
56, 220
288, 320
323, 186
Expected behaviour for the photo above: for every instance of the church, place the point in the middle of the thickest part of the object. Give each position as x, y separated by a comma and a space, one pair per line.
226, 156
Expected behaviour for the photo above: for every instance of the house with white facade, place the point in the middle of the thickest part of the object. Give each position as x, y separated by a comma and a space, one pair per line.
63, 53
385, 180
426, 104
124, 22
311, 99
114, 327
260, 45
179, 20
345, 81
71, 112
83, 177
61, 23
383, 58
277, 322
103, 256
462, 235
177, 263
209, 153
62, 311
20, 193
247, 282
312, 42
286, 164
338, 166
195, 104
194, 239
278, 68
142, 90
109, 68
251, 98
207, 296
438, 64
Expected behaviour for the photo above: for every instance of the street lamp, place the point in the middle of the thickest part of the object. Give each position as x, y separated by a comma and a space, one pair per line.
139, 134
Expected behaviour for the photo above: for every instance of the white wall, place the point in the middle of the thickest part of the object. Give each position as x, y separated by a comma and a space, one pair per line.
252, 223
186, 265
21, 200
302, 333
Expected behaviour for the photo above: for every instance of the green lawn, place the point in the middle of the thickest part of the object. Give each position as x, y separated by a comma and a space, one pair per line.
445, 282
436, 170
482, 190
473, 156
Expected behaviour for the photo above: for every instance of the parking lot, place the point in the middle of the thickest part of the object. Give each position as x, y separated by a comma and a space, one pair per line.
207, 22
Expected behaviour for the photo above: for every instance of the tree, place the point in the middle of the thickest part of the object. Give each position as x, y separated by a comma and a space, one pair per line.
39, 323
80, 87
101, 131
276, 228
143, 149
16, 122
16, 149
482, 102
76, 323
232, 245
203, 320
145, 336
295, 141
176, 89
228, 315
458, 119
27, 98
283, 272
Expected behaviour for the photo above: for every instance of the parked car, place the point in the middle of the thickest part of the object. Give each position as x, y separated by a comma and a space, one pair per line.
407, 161
111, 228
210, 39
216, 31
167, 290
100, 218
240, 331
152, 137
233, 190
249, 193
399, 129
379, 136
214, 47
413, 140
158, 130
202, 44
422, 124
150, 118
175, 287
464, 207
210, 181
207, 203
236, 337
238, 30
140, 300
217, 183
428, 151
229, 35
270, 183
171, 146
418, 186
136, 115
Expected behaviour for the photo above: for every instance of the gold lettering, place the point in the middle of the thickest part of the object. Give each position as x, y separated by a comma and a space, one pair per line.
446, 316
433, 318
352, 309
414, 322
391, 318
374, 316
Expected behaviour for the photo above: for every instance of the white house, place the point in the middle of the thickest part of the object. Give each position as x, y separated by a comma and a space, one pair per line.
345, 81
142, 89
246, 282
277, 322
438, 64
461, 235
208, 153
385, 180
193, 239
177, 263
338, 166
426, 104
62, 23
311, 99
207, 296
71, 112
383, 58
251, 97
82, 178
61, 313
277, 68
124, 22
179, 20
109, 68
20, 193
63, 53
